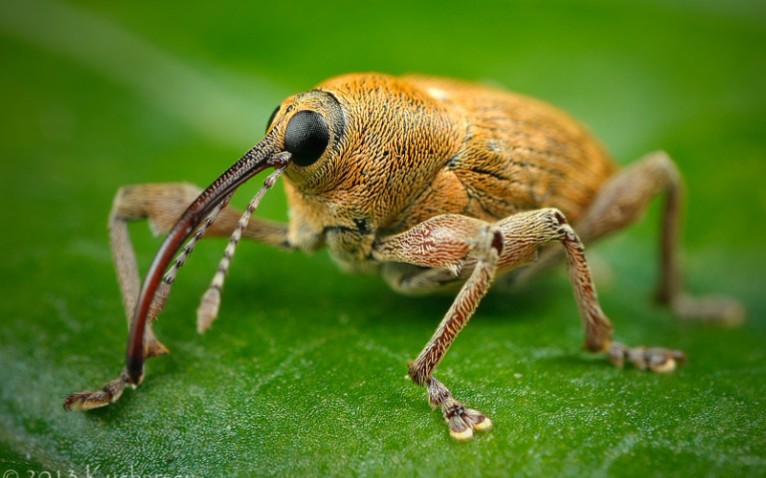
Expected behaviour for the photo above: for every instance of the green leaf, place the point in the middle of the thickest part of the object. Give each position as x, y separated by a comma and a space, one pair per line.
305, 371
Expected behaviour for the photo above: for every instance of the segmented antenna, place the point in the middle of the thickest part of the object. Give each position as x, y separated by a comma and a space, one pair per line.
207, 311
170, 276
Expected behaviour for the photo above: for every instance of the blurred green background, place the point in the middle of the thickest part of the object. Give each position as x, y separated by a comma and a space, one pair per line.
304, 373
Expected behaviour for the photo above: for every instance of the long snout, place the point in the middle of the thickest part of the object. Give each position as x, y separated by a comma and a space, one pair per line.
263, 155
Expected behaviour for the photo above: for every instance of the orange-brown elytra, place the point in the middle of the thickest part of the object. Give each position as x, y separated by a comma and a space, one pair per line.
430, 182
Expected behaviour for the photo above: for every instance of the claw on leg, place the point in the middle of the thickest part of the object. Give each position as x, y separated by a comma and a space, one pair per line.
153, 347
462, 421
100, 398
656, 359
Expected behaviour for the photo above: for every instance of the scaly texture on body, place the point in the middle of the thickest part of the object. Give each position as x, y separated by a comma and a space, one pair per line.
434, 183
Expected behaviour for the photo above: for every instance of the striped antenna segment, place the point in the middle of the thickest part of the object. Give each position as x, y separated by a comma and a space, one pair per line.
170, 275
207, 311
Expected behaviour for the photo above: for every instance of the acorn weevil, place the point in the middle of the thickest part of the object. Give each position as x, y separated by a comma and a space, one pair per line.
431, 182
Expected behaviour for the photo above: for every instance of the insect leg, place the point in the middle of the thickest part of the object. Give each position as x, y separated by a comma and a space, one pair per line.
623, 200
620, 203
523, 233
449, 242
161, 205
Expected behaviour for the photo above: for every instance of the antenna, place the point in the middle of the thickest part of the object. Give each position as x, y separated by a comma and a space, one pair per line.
207, 311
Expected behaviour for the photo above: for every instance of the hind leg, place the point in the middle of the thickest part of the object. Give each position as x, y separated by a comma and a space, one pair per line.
620, 203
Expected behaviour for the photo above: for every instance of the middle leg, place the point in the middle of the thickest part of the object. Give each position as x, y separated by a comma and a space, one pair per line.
524, 233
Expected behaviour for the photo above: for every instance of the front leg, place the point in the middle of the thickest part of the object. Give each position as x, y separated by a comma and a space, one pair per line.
472, 250
448, 242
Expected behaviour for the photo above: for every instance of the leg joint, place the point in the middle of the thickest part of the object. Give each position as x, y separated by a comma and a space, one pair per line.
418, 374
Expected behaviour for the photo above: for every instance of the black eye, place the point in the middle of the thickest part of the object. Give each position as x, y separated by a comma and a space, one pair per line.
306, 137
271, 118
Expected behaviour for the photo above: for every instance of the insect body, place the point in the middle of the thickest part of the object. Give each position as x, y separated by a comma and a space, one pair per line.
433, 183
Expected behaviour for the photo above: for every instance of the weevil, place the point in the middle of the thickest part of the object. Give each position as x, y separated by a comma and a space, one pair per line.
433, 183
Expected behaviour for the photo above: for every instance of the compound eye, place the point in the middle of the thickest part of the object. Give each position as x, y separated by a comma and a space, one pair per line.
306, 137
